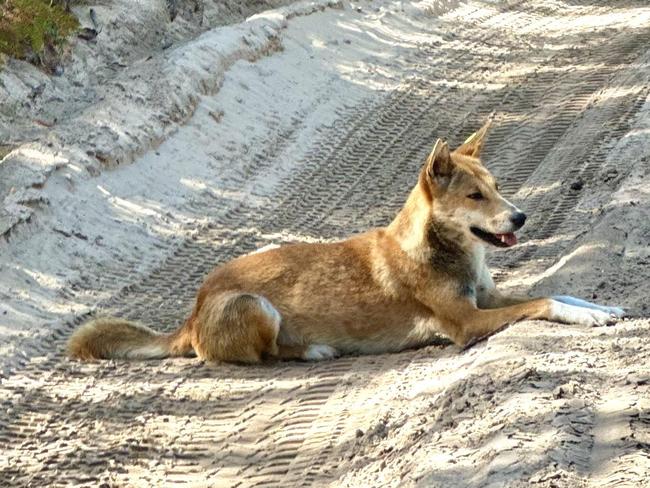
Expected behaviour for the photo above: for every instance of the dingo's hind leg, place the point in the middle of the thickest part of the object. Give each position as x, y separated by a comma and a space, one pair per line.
311, 352
236, 327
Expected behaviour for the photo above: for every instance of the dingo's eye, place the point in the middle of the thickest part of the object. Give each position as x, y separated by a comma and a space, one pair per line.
476, 196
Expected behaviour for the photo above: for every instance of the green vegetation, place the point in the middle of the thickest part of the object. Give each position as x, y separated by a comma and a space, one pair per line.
30, 27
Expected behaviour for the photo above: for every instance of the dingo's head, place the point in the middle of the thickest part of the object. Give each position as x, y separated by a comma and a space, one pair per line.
465, 196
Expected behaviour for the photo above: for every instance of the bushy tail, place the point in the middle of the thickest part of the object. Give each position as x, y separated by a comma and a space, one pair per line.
113, 338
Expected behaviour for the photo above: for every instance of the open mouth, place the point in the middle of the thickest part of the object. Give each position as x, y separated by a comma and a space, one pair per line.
498, 240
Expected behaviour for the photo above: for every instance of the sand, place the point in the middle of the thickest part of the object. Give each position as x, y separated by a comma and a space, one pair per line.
167, 147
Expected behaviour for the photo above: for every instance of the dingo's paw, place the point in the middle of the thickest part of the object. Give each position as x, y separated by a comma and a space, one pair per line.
571, 314
319, 352
614, 311
617, 312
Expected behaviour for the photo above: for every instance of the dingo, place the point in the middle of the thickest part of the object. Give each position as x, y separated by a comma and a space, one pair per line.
385, 290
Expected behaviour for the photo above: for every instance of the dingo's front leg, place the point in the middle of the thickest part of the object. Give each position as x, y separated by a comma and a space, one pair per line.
493, 298
488, 296
465, 323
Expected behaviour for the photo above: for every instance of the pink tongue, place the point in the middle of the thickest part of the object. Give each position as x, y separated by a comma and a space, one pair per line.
508, 239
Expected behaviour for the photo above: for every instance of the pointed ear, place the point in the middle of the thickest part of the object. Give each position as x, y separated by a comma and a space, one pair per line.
439, 165
474, 143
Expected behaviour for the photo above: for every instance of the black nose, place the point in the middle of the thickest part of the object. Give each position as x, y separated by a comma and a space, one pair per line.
518, 219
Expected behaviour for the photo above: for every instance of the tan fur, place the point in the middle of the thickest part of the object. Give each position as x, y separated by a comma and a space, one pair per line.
107, 337
236, 328
385, 290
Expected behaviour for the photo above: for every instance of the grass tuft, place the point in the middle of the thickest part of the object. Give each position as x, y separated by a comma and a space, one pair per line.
31, 28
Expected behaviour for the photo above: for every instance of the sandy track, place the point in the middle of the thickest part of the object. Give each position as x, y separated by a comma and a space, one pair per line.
539, 403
